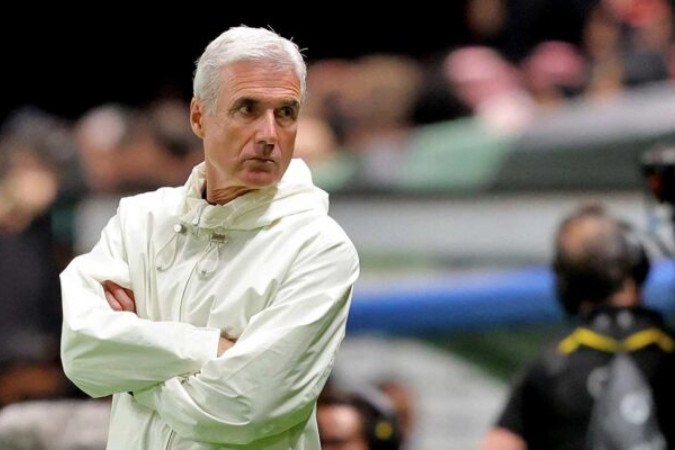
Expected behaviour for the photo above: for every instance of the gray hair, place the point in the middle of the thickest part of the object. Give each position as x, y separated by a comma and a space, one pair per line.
244, 44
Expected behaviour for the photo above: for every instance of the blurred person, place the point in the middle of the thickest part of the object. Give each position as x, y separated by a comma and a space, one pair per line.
355, 421
380, 101
628, 44
213, 312
316, 145
35, 149
125, 151
28, 187
315, 142
129, 150
380, 105
179, 148
554, 72
646, 28
490, 87
160, 149
38, 163
600, 268
99, 134
328, 82
436, 100
403, 405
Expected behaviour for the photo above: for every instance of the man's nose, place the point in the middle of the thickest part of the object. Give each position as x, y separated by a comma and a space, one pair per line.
267, 129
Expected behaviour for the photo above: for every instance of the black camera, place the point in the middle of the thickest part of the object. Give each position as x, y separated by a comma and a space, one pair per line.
658, 168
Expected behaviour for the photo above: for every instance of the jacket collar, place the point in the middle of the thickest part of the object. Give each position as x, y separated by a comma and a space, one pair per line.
293, 194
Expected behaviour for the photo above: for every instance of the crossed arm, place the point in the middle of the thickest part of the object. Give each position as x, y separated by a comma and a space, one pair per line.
264, 384
122, 299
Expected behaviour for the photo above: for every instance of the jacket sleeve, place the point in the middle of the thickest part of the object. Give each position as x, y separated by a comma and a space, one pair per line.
269, 381
105, 351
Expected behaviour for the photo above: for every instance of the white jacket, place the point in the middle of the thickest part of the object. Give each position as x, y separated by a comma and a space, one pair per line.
270, 269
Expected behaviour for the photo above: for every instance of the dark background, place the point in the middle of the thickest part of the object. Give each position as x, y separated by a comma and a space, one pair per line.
66, 61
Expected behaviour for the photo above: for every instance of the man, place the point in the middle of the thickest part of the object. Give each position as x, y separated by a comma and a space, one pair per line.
351, 421
600, 268
227, 298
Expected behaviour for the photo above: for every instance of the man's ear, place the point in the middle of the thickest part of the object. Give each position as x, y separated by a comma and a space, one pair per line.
196, 117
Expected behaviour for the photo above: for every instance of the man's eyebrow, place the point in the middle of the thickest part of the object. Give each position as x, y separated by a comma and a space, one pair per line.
245, 101
292, 104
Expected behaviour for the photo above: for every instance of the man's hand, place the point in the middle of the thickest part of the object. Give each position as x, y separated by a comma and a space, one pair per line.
223, 344
119, 298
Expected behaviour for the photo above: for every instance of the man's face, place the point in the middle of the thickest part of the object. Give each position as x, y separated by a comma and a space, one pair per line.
340, 428
250, 136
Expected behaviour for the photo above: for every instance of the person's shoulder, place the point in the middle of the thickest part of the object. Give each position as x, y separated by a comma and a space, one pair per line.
657, 319
327, 230
323, 235
156, 206
551, 358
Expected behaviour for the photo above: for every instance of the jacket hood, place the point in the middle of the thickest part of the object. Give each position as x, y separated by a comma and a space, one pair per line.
295, 193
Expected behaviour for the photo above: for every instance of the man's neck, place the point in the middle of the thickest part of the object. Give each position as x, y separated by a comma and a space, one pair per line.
223, 196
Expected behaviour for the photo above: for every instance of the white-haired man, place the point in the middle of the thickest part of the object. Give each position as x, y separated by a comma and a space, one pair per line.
213, 312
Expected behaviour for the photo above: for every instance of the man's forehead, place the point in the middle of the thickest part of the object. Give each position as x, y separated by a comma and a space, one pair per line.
263, 87
259, 72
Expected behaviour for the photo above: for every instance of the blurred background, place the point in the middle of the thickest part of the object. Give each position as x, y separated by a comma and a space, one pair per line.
452, 141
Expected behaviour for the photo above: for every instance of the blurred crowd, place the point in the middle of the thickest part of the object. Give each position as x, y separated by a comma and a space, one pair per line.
371, 102
60, 180
59, 184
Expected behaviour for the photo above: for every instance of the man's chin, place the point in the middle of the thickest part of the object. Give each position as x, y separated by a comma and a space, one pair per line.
258, 179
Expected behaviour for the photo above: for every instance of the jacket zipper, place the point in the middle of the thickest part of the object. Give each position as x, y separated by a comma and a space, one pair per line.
185, 288
195, 223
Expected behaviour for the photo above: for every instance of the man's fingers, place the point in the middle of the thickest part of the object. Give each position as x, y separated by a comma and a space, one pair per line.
119, 297
114, 304
130, 293
125, 300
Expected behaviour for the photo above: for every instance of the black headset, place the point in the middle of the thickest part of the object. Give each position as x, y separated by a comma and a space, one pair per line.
379, 421
381, 424
601, 274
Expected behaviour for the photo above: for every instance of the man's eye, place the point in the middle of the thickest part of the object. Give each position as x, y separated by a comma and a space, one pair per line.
246, 109
286, 113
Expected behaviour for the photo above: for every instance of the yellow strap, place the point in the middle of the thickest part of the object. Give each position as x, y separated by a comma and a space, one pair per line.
649, 336
597, 341
589, 338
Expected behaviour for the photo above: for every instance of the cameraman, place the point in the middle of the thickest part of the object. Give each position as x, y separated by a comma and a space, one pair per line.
600, 269
357, 421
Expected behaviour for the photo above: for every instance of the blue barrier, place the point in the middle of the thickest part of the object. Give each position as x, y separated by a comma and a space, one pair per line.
478, 301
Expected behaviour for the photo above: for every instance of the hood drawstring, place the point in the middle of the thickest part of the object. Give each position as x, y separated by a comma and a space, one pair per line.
198, 218
209, 261
171, 246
